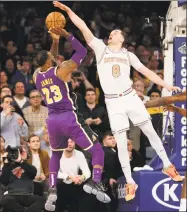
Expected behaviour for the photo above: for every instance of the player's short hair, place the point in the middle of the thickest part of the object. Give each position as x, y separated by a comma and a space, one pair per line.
41, 57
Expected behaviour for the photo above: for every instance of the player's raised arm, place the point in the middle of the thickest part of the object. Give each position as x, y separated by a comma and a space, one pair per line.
79, 23
150, 74
80, 53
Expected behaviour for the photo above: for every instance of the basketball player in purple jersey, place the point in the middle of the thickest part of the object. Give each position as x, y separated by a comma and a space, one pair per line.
63, 122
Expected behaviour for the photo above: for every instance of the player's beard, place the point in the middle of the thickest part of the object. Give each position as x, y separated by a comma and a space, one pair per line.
54, 63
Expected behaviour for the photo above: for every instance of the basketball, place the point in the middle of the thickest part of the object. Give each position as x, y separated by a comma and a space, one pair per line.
55, 19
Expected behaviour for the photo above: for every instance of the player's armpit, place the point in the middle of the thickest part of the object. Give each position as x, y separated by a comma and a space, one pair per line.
65, 69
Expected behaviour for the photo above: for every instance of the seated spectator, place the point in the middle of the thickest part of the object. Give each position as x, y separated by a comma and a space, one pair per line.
2, 150
136, 159
40, 159
3, 79
10, 69
156, 112
4, 91
24, 75
139, 86
158, 87
13, 126
112, 168
68, 187
18, 177
19, 97
95, 116
35, 114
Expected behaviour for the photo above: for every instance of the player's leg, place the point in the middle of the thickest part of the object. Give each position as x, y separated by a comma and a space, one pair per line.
140, 117
120, 124
57, 143
183, 201
87, 140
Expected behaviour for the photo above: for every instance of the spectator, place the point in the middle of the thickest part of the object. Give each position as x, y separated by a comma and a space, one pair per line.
2, 150
139, 86
5, 90
12, 50
158, 87
24, 75
135, 158
13, 127
156, 112
95, 115
18, 177
68, 187
19, 97
3, 79
35, 114
10, 69
112, 168
40, 159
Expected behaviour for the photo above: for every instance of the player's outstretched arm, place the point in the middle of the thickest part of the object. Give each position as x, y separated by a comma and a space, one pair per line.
150, 74
79, 23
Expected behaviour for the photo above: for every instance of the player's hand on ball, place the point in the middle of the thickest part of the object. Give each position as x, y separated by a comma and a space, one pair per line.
59, 31
54, 36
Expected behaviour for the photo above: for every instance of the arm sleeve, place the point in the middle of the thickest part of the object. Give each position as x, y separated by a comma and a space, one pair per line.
98, 46
6, 171
5, 120
135, 62
81, 51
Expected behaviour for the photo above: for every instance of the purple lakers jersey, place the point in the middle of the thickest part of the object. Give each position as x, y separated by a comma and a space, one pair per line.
54, 91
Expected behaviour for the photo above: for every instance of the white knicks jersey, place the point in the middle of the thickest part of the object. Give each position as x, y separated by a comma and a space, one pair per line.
114, 67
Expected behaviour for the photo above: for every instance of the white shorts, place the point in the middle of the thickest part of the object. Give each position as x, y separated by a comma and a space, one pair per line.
123, 108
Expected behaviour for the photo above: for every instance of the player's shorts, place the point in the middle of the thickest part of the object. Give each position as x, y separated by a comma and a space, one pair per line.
121, 108
67, 125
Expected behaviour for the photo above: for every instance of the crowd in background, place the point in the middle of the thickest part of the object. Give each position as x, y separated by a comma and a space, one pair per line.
23, 34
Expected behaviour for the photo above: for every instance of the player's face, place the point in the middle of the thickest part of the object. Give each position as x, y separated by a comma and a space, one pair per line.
51, 60
90, 97
71, 145
34, 143
110, 141
115, 38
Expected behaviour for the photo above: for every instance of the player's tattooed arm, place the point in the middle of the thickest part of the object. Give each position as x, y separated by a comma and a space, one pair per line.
78, 22
65, 69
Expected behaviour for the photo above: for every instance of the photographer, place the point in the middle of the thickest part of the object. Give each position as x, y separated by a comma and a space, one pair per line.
18, 176
13, 126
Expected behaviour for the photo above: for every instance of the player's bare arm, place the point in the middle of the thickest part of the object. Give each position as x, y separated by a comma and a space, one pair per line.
156, 79
79, 23
55, 44
65, 69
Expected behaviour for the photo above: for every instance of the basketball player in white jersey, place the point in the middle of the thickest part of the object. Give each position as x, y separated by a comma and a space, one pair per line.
113, 65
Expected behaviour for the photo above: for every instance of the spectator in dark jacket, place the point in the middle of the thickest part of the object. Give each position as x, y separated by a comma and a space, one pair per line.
18, 177
24, 75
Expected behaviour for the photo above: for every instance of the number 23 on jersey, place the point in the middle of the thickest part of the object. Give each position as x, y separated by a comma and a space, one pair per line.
52, 94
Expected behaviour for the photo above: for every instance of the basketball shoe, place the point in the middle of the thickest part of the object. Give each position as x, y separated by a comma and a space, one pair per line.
172, 173
130, 191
